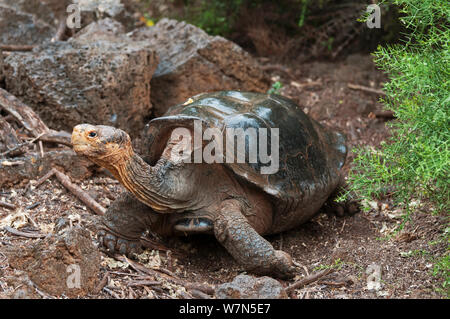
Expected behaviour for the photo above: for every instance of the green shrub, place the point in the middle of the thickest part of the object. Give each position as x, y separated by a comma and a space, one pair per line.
218, 17
415, 161
214, 16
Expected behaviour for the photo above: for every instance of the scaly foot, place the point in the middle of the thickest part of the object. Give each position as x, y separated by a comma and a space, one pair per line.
115, 244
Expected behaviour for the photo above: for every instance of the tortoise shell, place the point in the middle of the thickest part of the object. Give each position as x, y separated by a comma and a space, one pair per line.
310, 156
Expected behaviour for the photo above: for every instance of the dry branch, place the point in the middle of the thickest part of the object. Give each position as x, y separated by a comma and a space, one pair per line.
200, 287
112, 293
199, 294
162, 274
20, 146
74, 189
278, 68
307, 280
7, 205
143, 283
385, 114
62, 26
16, 47
365, 89
306, 84
23, 114
59, 137
102, 284
23, 234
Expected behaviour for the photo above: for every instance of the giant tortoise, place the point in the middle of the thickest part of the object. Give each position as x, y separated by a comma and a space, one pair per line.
171, 194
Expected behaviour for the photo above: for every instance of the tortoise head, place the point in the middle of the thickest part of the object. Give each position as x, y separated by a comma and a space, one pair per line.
104, 145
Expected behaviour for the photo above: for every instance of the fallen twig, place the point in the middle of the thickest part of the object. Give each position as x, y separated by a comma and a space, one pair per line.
112, 293
21, 145
365, 89
120, 273
143, 283
33, 205
59, 137
334, 284
202, 288
278, 67
306, 84
158, 273
23, 234
199, 294
185, 295
41, 148
62, 26
142, 269
340, 282
16, 47
101, 284
384, 114
74, 189
7, 205
9, 163
307, 280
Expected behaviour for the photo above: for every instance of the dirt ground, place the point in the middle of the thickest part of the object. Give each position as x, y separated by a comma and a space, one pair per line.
355, 247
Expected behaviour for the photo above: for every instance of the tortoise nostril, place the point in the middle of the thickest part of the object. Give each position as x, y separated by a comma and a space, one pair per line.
78, 129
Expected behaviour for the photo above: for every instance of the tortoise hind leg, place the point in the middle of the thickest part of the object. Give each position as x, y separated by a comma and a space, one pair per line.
123, 224
349, 207
256, 254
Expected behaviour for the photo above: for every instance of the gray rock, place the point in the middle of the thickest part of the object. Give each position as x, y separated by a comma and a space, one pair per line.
99, 77
193, 62
52, 11
20, 28
103, 30
110, 7
58, 7
20, 287
34, 166
248, 287
36, 8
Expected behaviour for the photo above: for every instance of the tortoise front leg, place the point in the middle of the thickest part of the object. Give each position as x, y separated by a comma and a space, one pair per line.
123, 224
256, 254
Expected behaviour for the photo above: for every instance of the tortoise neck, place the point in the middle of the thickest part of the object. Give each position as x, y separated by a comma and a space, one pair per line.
142, 180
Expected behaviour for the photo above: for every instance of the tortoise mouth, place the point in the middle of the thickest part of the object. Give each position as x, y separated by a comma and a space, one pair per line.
79, 148
79, 145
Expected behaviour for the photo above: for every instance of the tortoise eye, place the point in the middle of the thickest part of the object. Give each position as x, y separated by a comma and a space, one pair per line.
92, 134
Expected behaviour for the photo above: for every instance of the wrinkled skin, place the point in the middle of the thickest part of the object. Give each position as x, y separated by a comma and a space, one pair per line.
171, 197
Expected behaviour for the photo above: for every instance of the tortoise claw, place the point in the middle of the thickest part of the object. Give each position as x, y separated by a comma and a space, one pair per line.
115, 244
348, 208
283, 265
